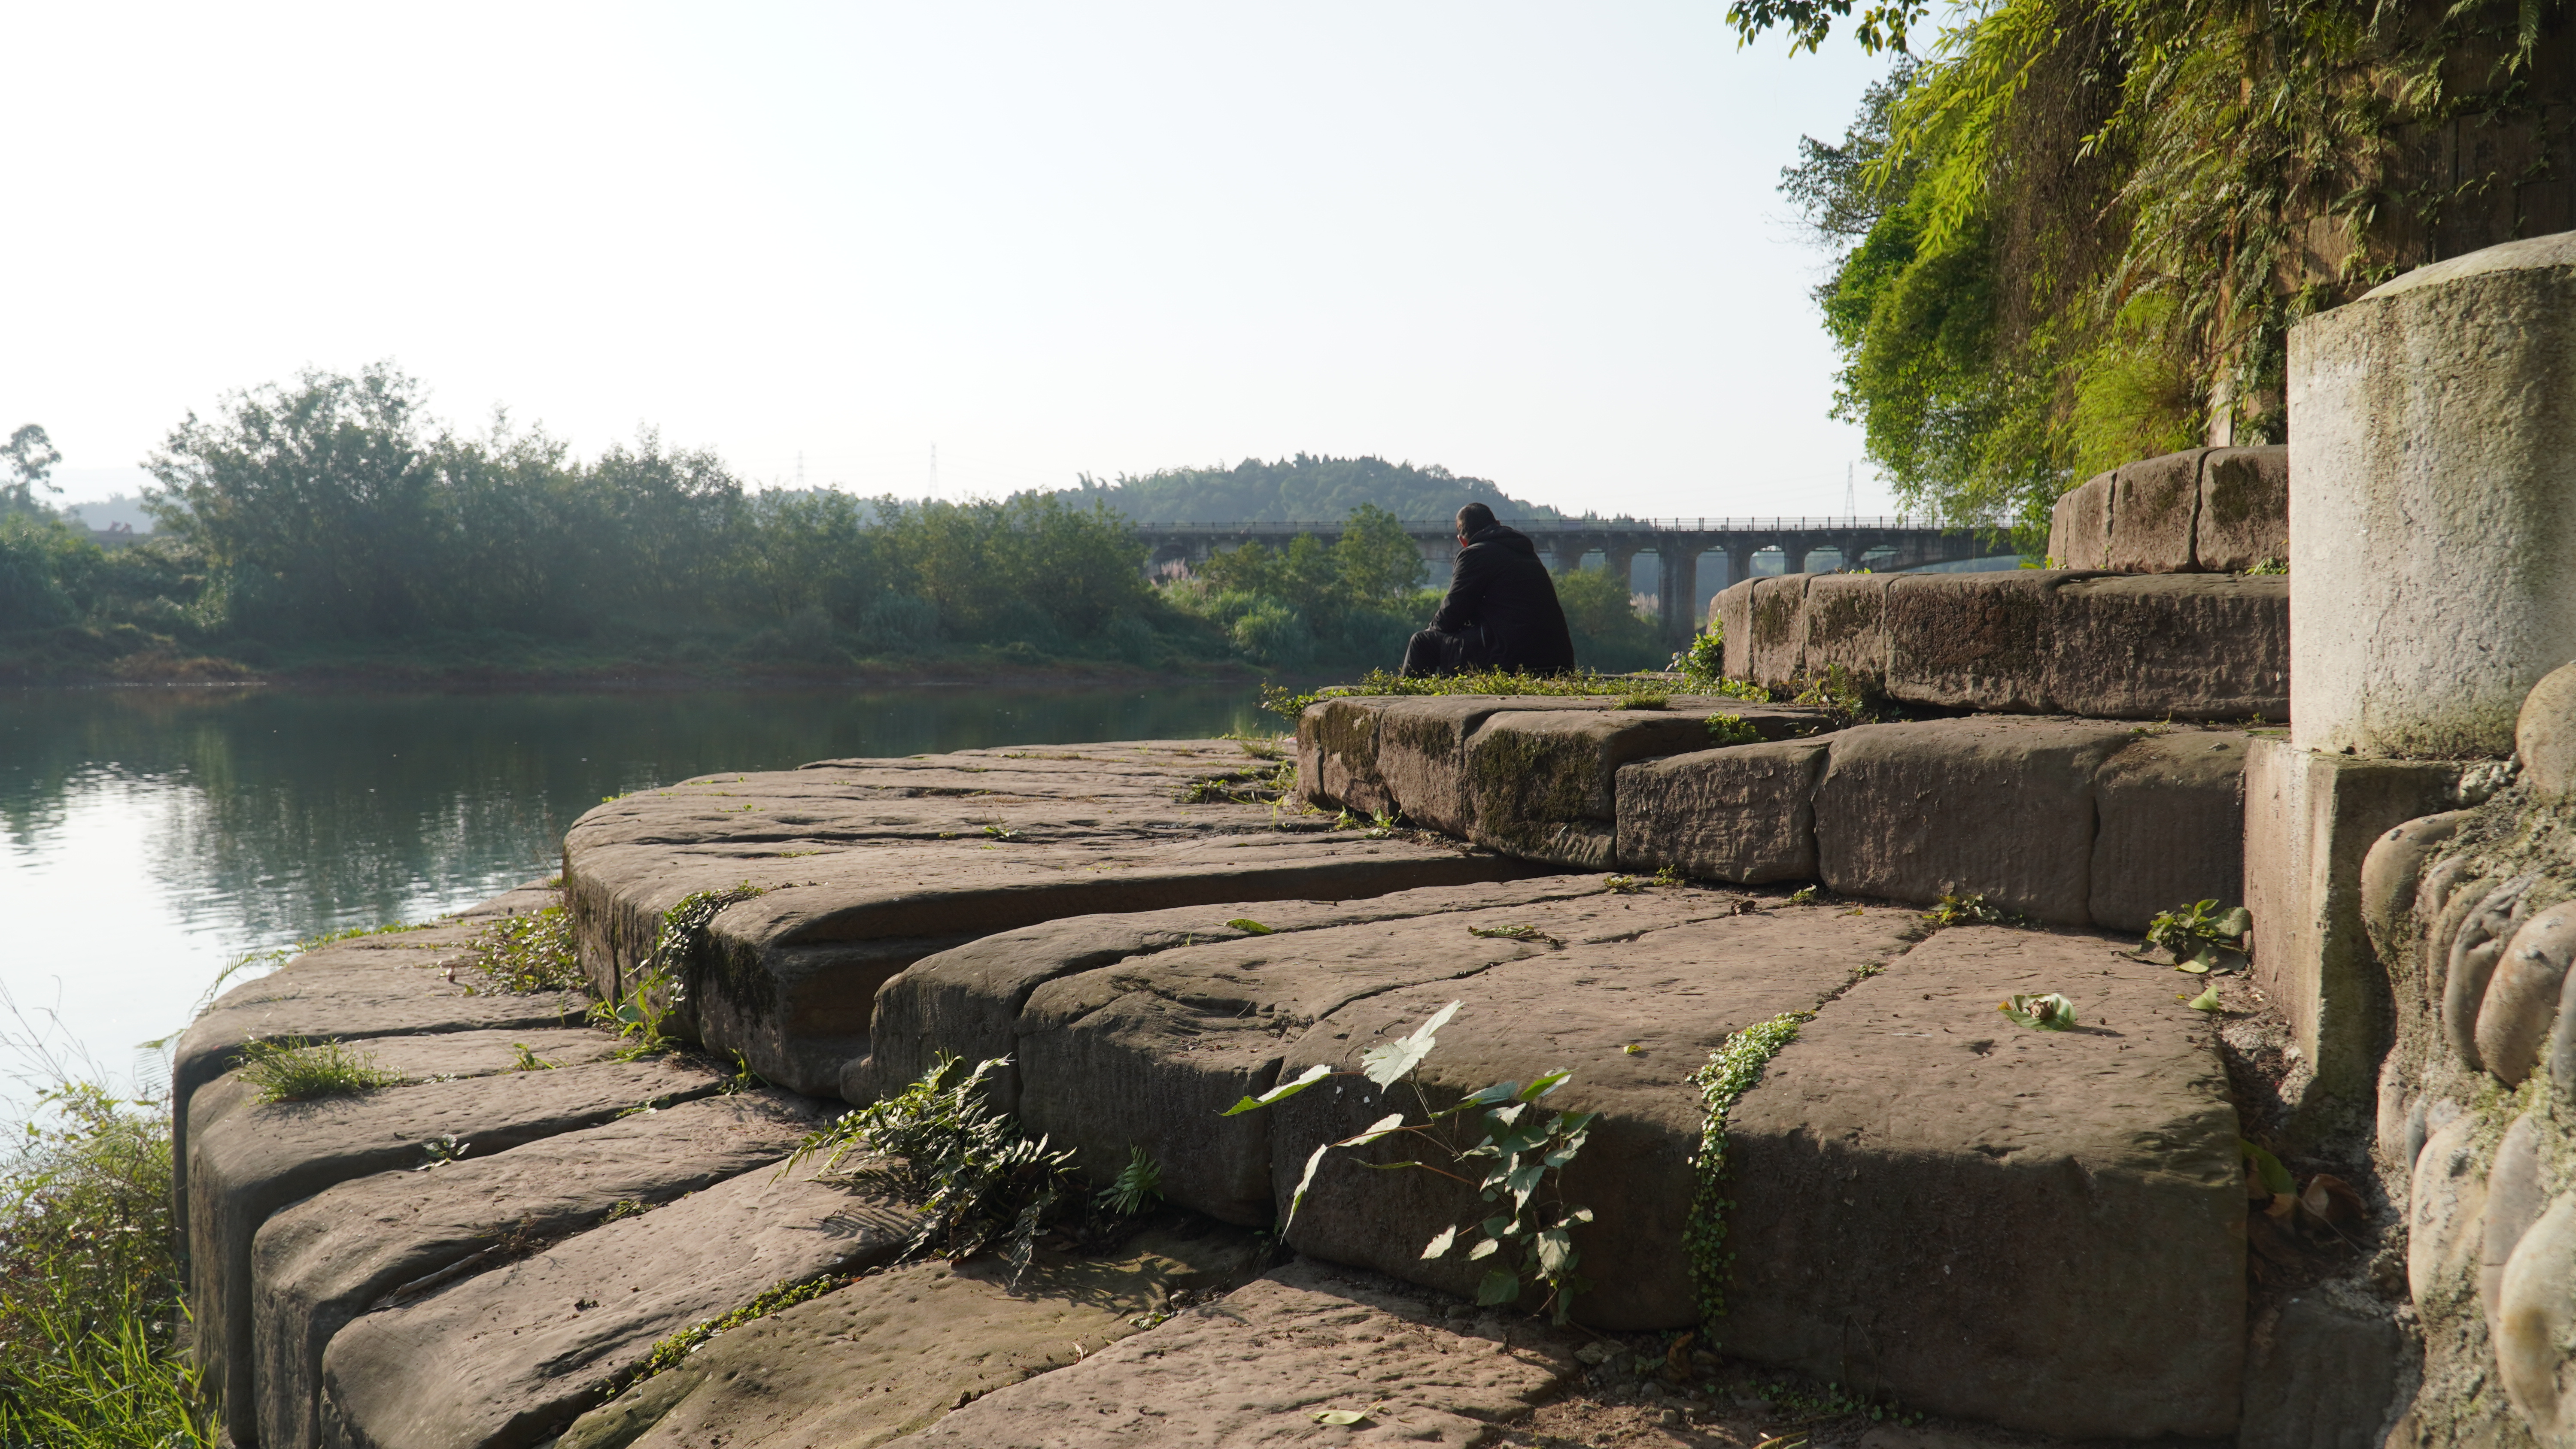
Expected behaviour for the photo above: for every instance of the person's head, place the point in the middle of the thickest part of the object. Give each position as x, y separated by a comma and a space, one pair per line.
1474, 519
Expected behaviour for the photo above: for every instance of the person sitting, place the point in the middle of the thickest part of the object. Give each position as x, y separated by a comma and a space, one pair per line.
1501, 612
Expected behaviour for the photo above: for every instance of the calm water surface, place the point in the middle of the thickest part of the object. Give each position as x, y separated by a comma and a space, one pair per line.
151, 837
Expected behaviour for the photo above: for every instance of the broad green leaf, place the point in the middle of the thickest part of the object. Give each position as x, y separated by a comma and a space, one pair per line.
1391, 1122
1555, 1251
1485, 1249
1280, 1093
1392, 1061
1507, 1115
1249, 926
1297, 1199
1389, 1064
1498, 1092
2205, 1001
1584, 1215
1544, 1085
2235, 922
1439, 1247
1525, 1181
1497, 1225
2276, 1178
1498, 1287
1340, 1416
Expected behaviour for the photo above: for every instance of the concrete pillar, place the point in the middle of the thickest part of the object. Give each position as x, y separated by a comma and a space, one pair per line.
1677, 590
2433, 504
1620, 559
2432, 525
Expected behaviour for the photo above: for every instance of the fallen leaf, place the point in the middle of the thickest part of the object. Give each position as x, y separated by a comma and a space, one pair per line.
1246, 923
2331, 1204
1340, 1416
2049, 1012
2205, 1001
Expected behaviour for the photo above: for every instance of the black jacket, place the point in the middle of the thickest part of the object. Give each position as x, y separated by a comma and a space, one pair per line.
1500, 590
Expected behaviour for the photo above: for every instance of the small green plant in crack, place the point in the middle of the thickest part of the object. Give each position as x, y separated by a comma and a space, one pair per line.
668, 1352
2043, 1011
441, 1150
1803, 896
1954, 909
528, 1060
1622, 885
1516, 1165
661, 987
1730, 729
2200, 937
977, 1182
1842, 696
297, 1069
522, 955
1730, 1072
1001, 833
1645, 701
1139, 1185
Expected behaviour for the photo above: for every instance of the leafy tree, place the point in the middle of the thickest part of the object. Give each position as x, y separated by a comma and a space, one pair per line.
31, 457
1297, 489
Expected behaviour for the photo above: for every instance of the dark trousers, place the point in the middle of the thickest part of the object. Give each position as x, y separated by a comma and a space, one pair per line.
1436, 651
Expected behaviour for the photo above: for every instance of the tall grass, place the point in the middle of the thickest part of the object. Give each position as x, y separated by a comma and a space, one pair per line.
91, 1317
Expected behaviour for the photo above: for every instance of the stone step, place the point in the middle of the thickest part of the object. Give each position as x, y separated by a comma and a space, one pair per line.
2076, 1196
867, 866
2069, 822
2034, 641
895, 1351
248, 1159
395, 1236
1258, 1366
511, 1357
2202, 510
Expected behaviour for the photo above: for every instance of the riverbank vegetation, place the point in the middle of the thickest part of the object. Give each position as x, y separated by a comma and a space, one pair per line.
330, 526
91, 1319
2069, 235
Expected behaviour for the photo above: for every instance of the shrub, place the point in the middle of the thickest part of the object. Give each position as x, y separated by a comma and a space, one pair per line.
293, 1069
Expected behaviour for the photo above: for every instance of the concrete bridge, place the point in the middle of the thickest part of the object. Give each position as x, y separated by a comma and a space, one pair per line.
1885, 545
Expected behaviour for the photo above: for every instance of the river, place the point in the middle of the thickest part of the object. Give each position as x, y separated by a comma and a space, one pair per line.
150, 838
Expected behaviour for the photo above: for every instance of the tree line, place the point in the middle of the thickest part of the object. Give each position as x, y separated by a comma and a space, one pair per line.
334, 515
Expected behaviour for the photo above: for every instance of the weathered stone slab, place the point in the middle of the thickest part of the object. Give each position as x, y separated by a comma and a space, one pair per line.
894, 1352
2321, 1374
1745, 813
513, 1356
967, 1002
1256, 1366
246, 1160
393, 984
1543, 782
1337, 756
1150, 1052
1674, 991
865, 867
2170, 812
2079, 526
398, 1235
1845, 621
2041, 641
2244, 509
1986, 806
2155, 504
1934, 1202
2310, 820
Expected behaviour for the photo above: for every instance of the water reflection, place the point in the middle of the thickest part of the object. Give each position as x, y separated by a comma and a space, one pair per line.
148, 837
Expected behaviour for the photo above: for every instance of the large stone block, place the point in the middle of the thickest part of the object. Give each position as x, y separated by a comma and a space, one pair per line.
511, 1357
1544, 782
399, 1235
2434, 431
2079, 526
1255, 1367
967, 1002
1745, 813
1844, 617
2156, 502
2002, 808
2244, 509
2310, 821
246, 1160
1937, 1204
2204, 646
2324, 1374
1337, 756
2036, 641
1673, 992
894, 1352
863, 867
2171, 812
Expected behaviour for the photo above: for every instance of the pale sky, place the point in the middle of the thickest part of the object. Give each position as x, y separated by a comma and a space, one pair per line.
1540, 244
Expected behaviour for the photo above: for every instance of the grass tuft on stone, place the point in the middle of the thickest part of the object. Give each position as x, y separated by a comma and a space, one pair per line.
523, 955
1580, 683
294, 1069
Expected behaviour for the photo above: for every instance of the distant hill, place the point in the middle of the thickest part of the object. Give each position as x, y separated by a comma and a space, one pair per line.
1303, 488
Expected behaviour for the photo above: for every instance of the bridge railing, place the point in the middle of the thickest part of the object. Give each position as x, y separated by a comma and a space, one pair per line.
1780, 524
